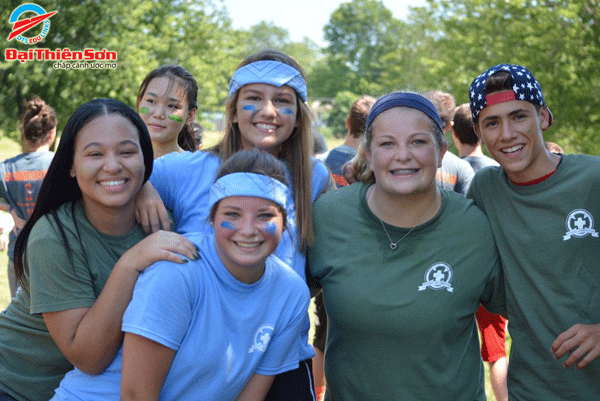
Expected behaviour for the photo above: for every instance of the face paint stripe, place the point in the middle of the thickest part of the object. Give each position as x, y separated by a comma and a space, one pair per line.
228, 225
144, 110
249, 107
271, 228
175, 118
287, 112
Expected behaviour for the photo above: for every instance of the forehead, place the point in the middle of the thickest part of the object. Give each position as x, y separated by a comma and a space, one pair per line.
166, 86
268, 88
246, 203
107, 129
505, 108
402, 119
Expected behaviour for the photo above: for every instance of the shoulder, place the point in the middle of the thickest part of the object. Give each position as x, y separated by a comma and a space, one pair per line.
185, 159
338, 201
464, 214
286, 280
488, 177
451, 161
319, 170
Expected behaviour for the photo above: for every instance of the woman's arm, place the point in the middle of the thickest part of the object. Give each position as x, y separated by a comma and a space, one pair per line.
145, 367
150, 210
90, 337
256, 389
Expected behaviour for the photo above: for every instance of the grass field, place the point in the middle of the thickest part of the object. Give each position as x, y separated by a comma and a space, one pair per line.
10, 148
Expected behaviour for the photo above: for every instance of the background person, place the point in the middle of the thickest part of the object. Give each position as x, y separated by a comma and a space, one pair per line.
22, 175
167, 102
394, 258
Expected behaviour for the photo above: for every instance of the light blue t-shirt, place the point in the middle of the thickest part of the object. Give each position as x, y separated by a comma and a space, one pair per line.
183, 181
223, 330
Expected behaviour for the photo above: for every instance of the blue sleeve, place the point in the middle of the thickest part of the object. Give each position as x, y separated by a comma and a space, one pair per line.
321, 179
164, 179
162, 304
283, 351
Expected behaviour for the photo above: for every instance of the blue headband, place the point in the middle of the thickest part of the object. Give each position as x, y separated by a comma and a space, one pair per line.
404, 99
269, 72
248, 184
525, 87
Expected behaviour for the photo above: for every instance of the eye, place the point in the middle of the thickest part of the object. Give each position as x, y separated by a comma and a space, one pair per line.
231, 214
284, 100
149, 101
266, 216
490, 124
419, 141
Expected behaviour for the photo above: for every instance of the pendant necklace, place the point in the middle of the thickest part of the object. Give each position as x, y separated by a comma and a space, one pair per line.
394, 245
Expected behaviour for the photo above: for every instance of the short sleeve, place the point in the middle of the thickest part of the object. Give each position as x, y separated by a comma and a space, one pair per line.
283, 351
56, 281
162, 304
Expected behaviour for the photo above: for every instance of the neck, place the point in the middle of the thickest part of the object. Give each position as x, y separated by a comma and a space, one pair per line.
111, 221
404, 211
160, 149
352, 141
29, 148
543, 165
243, 274
470, 150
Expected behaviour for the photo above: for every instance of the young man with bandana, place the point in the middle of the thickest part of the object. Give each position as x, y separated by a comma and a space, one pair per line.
542, 207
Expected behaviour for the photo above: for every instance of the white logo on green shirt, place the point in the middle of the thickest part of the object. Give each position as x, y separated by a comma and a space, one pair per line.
437, 277
262, 338
580, 223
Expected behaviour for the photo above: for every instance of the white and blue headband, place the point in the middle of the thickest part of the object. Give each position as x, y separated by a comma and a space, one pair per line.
269, 72
248, 184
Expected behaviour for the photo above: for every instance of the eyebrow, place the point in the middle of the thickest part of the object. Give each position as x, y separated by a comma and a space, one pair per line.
125, 142
281, 91
172, 99
512, 113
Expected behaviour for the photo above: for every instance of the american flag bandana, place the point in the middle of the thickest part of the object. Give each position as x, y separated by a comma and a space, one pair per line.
525, 87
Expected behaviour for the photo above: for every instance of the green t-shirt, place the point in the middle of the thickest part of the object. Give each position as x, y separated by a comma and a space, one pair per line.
402, 322
550, 251
31, 364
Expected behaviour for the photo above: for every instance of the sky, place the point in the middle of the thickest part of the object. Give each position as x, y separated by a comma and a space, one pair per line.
300, 17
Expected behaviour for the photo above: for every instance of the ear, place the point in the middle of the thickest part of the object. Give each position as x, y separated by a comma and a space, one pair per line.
191, 116
443, 150
72, 172
545, 118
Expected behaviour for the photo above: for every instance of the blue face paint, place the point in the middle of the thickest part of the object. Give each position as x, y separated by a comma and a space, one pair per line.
249, 107
270, 228
287, 112
228, 225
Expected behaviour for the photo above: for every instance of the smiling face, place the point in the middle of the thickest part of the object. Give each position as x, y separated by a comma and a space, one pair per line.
403, 154
247, 231
266, 116
512, 133
165, 110
108, 165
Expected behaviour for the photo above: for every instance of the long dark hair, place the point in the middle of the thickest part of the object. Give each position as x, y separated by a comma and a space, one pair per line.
58, 186
186, 138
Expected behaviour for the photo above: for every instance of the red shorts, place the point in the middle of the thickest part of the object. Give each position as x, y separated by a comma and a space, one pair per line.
493, 333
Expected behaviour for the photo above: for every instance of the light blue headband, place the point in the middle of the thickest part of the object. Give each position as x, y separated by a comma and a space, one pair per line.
269, 72
248, 184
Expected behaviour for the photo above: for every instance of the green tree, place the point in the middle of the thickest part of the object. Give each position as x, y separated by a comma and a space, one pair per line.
336, 120
360, 33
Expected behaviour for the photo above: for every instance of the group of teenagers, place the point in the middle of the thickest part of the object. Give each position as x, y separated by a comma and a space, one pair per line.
188, 276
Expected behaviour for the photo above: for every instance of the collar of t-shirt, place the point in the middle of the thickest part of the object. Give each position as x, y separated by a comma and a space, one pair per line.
541, 179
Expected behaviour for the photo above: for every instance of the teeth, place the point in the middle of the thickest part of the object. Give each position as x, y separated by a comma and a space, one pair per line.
404, 171
513, 149
248, 244
113, 183
266, 126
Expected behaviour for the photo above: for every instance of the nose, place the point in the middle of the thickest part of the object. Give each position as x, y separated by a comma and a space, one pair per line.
248, 226
507, 132
402, 152
112, 164
269, 109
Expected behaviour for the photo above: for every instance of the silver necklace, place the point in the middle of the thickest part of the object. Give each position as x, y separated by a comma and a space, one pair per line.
394, 245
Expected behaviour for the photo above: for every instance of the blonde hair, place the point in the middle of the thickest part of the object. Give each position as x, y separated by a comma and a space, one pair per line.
295, 151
